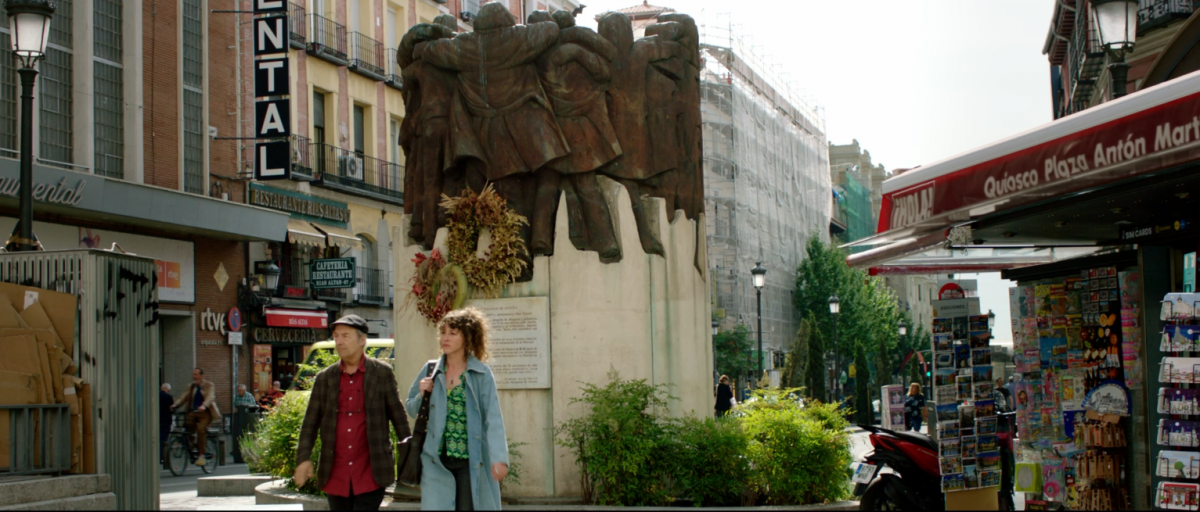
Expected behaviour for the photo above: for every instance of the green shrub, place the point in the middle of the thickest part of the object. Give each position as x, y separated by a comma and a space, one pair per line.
799, 455
620, 442
709, 466
271, 448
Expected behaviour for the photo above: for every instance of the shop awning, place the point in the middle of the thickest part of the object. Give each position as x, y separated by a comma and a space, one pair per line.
281, 317
301, 232
339, 237
1153, 131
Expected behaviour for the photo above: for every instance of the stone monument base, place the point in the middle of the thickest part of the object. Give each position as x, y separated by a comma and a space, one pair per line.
647, 317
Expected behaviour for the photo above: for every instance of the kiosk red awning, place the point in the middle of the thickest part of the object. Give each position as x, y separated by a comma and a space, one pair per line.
1149, 131
280, 317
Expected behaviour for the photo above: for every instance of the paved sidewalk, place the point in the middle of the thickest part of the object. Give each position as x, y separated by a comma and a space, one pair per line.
179, 492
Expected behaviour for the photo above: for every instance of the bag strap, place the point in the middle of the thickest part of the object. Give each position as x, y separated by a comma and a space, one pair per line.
422, 424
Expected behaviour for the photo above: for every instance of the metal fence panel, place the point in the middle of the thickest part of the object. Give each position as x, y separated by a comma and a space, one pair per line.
118, 353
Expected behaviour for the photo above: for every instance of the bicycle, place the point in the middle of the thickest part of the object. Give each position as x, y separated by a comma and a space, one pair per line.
180, 443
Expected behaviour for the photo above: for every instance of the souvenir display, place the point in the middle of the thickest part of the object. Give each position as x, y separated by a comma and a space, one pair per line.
1179, 369
893, 409
1178, 496
1076, 344
965, 404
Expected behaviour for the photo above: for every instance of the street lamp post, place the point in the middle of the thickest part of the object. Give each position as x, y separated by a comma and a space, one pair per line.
759, 272
1117, 24
903, 330
29, 24
834, 309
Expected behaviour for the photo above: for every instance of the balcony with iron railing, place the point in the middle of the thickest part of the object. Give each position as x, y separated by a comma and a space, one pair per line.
302, 164
358, 174
1086, 58
366, 56
298, 26
392, 76
372, 286
327, 40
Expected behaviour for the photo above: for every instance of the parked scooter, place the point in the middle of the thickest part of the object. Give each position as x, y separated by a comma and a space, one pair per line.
915, 480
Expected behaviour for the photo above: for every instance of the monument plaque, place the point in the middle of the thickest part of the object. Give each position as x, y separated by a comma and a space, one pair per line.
520, 344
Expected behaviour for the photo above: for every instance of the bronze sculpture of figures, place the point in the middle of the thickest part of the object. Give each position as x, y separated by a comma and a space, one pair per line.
544, 109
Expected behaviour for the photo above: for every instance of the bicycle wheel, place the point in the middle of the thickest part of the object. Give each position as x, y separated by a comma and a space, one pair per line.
210, 457
177, 455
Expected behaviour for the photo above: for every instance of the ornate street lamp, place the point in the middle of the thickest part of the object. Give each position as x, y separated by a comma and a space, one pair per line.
834, 309
271, 277
29, 25
903, 328
1116, 21
759, 272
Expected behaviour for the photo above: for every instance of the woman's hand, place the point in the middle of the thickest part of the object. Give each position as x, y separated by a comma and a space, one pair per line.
499, 471
427, 385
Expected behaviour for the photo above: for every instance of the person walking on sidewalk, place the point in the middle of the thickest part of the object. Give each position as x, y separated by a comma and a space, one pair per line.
724, 397
352, 403
466, 451
200, 403
165, 403
914, 407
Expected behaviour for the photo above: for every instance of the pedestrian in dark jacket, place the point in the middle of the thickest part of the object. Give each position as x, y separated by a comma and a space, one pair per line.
724, 397
914, 407
352, 403
466, 450
165, 400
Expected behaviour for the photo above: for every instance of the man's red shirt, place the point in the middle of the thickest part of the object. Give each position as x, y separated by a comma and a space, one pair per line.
351, 459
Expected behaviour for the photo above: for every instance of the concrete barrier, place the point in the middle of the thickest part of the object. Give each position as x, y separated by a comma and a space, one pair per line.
234, 485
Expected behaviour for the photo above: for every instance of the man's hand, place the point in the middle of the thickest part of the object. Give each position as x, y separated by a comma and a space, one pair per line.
305, 471
426, 385
201, 408
499, 471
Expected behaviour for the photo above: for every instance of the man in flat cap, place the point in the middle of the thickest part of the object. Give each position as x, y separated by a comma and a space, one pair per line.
352, 403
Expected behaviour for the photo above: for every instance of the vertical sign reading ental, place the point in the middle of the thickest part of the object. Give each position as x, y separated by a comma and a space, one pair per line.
520, 341
272, 88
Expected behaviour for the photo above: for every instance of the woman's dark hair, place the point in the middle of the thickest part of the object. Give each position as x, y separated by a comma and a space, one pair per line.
724, 379
473, 325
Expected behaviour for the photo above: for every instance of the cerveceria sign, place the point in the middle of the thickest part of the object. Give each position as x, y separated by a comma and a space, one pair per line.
311, 208
332, 273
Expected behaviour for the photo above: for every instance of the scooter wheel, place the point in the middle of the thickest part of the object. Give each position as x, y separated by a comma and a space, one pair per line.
876, 498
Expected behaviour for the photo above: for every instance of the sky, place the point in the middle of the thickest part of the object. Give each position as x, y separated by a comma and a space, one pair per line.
914, 81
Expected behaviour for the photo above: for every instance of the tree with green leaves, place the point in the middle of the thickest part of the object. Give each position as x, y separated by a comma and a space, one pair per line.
869, 313
797, 361
735, 352
862, 387
814, 374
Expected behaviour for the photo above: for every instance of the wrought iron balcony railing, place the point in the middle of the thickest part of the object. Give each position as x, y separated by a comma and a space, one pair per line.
392, 76
302, 165
298, 30
366, 56
327, 39
358, 174
372, 286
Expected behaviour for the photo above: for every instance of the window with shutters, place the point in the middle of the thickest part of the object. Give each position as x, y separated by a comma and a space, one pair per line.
55, 82
109, 94
193, 97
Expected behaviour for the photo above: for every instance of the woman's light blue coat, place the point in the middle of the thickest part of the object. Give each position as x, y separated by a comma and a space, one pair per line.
486, 442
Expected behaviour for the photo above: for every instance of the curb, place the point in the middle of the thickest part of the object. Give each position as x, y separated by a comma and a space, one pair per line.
274, 493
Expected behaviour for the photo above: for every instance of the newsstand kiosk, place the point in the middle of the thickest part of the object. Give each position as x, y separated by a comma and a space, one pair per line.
1095, 217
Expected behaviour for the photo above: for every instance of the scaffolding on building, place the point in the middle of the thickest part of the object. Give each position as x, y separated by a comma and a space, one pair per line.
767, 183
854, 207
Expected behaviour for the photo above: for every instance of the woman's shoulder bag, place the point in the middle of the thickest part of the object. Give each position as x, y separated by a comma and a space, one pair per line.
408, 451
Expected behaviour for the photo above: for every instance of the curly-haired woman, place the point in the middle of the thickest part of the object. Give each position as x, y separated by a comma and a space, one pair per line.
466, 452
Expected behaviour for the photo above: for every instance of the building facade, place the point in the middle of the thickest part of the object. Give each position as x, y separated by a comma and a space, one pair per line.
128, 101
1079, 76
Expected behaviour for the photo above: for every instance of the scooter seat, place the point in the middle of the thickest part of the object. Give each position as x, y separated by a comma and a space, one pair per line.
916, 438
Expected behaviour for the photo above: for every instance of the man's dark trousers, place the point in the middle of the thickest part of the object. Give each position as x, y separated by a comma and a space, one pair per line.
368, 501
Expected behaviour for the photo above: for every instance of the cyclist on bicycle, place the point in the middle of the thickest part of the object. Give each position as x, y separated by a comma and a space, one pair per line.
199, 402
